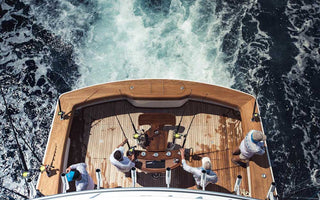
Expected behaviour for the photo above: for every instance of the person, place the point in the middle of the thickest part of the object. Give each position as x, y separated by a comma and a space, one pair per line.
78, 173
211, 177
121, 162
252, 144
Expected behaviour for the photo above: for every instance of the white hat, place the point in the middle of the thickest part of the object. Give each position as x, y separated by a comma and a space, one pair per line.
204, 161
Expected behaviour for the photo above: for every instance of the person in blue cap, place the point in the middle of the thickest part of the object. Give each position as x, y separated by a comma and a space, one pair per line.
79, 174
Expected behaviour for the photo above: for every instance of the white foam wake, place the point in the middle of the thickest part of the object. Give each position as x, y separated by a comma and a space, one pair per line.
122, 45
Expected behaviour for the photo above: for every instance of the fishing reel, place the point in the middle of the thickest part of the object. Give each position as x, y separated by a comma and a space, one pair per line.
131, 151
177, 136
47, 169
255, 117
138, 134
25, 174
141, 138
61, 114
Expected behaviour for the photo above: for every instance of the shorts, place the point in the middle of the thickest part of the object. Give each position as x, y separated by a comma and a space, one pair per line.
243, 158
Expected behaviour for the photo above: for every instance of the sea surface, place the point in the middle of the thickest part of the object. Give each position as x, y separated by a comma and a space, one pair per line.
268, 48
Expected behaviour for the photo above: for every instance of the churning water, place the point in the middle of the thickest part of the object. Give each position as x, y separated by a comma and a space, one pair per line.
266, 48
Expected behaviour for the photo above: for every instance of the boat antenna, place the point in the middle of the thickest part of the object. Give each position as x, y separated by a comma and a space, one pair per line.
124, 134
14, 192
15, 130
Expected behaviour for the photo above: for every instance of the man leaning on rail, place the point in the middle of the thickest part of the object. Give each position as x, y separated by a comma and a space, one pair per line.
211, 176
252, 144
78, 173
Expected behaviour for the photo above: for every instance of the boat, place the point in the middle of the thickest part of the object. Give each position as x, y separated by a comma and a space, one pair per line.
207, 120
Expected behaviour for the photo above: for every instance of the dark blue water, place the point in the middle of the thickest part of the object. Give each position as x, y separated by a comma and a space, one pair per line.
267, 48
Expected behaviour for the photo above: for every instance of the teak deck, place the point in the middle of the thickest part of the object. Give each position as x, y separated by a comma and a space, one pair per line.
215, 130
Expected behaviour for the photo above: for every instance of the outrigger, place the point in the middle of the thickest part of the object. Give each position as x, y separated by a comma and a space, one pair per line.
90, 122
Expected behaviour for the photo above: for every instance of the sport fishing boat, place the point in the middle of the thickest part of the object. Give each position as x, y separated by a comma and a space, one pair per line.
158, 117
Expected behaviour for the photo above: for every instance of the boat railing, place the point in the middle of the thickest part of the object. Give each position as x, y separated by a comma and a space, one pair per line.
236, 191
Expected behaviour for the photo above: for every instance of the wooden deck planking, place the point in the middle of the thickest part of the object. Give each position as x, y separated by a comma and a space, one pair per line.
210, 135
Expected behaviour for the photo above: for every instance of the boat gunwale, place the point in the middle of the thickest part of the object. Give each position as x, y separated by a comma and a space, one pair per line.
149, 189
248, 101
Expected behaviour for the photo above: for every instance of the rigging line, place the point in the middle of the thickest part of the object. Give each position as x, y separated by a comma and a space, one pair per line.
16, 131
22, 159
14, 192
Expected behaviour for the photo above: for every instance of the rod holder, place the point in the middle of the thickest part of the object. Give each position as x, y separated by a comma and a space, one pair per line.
168, 177
65, 183
203, 179
98, 176
236, 189
134, 176
270, 194
33, 191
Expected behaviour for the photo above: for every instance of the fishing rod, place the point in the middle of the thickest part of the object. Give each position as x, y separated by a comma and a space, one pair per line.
22, 159
176, 131
255, 115
122, 131
133, 126
14, 192
29, 147
185, 136
16, 131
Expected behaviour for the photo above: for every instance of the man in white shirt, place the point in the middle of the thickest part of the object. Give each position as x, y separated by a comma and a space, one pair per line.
252, 144
78, 173
211, 177
117, 158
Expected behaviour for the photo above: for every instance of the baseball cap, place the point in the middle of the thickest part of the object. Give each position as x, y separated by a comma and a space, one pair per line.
258, 136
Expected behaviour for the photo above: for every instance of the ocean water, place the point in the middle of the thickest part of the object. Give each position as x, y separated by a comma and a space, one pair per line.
270, 49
